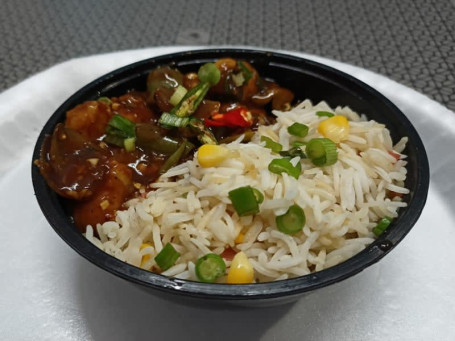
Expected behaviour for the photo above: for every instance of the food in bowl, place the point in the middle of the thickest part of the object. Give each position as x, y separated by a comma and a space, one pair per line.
272, 191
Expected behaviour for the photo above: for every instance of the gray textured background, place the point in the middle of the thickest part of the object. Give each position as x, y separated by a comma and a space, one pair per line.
412, 42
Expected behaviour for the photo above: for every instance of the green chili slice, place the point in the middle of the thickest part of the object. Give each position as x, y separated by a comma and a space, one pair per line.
210, 267
324, 114
279, 166
167, 257
204, 135
298, 129
176, 156
292, 221
258, 195
322, 152
209, 73
270, 144
191, 100
244, 201
382, 225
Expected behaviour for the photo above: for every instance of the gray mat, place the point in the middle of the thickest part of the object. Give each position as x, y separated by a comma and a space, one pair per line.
412, 42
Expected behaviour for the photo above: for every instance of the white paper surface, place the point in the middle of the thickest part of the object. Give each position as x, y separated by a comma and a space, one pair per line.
48, 292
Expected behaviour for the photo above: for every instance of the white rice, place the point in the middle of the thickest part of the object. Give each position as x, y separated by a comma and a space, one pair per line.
190, 208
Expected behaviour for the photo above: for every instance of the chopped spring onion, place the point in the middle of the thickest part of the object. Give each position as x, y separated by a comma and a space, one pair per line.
293, 152
298, 129
105, 100
118, 130
209, 73
322, 152
259, 196
324, 114
382, 225
167, 257
247, 74
292, 221
172, 120
172, 160
178, 94
298, 143
279, 166
129, 144
191, 100
269, 143
210, 267
244, 201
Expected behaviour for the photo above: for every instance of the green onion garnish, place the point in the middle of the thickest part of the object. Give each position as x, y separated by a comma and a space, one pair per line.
129, 144
382, 225
209, 73
269, 143
298, 143
105, 100
322, 152
244, 201
120, 129
292, 221
247, 74
293, 152
279, 166
298, 129
210, 267
172, 120
324, 114
167, 257
178, 94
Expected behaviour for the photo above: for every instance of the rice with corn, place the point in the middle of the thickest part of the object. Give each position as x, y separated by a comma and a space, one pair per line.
189, 205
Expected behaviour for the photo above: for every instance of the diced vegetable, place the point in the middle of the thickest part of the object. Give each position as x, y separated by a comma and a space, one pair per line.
299, 143
241, 270
191, 100
178, 94
279, 166
211, 155
335, 128
235, 118
150, 138
298, 129
209, 73
322, 152
382, 225
244, 201
118, 130
269, 143
324, 114
292, 221
210, 267
167, 257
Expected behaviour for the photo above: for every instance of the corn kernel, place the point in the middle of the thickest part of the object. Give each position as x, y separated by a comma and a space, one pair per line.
211, 155
241, 270
145, 258
239, 239
335, 128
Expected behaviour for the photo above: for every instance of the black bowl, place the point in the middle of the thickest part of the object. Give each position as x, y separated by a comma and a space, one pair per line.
307, 79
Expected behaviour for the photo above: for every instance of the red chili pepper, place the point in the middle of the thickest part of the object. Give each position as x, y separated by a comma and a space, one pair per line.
239, 117
228, 253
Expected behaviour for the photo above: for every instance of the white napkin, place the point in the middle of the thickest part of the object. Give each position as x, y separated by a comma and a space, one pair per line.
50, 292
